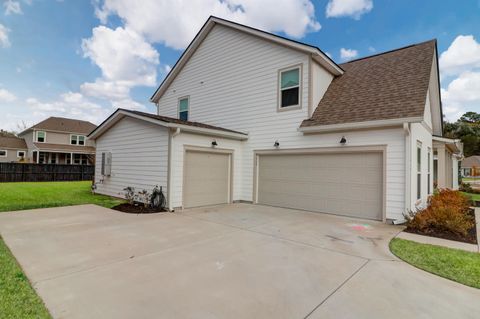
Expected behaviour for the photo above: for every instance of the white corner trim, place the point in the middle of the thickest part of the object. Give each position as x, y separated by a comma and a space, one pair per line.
359, 125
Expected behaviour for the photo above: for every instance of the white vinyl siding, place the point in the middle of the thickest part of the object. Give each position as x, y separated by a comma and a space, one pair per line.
233, 79
178, 149
139, 157
419, 137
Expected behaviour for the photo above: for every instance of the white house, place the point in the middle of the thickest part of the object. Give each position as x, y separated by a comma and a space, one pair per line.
246, 115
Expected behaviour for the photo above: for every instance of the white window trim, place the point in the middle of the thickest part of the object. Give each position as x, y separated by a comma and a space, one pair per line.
24, 154
419, 170
44, 137
279, 89
78, 136
429, 171
6, 153
187, 97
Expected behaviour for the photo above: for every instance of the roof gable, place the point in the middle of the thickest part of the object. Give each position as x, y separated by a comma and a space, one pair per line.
386, 86
315, 52
61, 124
165, 121
12, 142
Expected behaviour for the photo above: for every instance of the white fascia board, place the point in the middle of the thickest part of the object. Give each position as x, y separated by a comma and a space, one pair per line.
359, 125
207, 131
186, 128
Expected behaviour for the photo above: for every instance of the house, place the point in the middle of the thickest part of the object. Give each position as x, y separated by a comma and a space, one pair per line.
470, 166
58, 140
12, 149
248, 116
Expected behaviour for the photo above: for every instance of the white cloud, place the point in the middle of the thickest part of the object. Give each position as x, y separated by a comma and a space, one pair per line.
105, 89
372, 49
348, 8
12, 7
462, 95
122, 55
175, 23
6, 96
348, 54
462, 55
125, 59
4, 41
70, 104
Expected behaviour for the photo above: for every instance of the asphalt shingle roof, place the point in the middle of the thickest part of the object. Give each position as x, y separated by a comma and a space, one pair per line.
385, 86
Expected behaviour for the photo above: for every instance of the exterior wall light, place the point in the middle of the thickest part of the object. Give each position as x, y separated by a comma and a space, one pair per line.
214, 143
276, 144
343, 141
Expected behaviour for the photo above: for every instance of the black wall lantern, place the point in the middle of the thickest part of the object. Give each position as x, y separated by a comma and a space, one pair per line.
343, 141
276, 144
214, 143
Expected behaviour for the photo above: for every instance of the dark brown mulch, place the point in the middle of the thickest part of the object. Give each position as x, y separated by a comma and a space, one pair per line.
471, 238
137, 209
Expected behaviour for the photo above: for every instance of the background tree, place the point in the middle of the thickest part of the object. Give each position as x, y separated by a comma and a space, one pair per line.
467, 129
4, 133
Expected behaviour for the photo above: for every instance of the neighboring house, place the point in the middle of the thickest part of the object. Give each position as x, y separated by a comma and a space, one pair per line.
245, 115
471, 166
58, 140
12, 149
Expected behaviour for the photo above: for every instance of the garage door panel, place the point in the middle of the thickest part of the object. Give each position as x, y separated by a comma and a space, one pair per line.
207, 178
346, 184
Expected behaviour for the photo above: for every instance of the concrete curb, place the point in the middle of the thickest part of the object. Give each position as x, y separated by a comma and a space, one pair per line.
438, 241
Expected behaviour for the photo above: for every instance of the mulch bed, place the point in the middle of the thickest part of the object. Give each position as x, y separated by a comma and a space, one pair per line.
137, 209
471, 238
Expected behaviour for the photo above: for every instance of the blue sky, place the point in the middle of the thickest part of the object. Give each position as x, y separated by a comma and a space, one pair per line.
85, 58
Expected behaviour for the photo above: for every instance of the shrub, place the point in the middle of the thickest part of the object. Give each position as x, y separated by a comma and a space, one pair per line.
447, 211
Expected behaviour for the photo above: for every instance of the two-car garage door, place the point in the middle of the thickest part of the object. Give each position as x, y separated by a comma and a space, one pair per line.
348, 184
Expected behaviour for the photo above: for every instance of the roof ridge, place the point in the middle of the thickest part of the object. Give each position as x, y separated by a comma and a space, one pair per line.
390, 51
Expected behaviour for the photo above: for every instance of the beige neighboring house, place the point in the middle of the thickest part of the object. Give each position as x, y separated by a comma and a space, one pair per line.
13, 149
58, 140
245, 115
471, 166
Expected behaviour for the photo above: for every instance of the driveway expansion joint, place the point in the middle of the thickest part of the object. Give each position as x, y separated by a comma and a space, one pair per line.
337, 289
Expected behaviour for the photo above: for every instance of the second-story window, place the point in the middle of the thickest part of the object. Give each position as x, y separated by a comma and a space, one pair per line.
77, 139
40, 136
289, 87
183, 107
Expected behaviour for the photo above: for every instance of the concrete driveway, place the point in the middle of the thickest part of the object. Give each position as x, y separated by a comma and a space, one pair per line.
237, 261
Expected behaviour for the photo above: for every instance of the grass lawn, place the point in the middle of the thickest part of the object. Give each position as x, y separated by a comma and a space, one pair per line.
17, 196
457, 265
17, 297
473, 196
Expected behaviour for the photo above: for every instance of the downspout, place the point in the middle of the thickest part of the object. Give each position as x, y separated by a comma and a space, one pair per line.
408, 166
169, 168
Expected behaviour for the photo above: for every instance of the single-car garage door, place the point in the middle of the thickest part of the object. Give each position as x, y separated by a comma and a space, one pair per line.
349, 184
206, 179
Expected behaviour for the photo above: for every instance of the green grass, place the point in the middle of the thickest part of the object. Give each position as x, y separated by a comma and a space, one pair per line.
457, 265
17, 196
17, 297
472, 196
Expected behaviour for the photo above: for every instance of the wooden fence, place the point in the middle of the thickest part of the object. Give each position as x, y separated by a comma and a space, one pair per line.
20, 172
